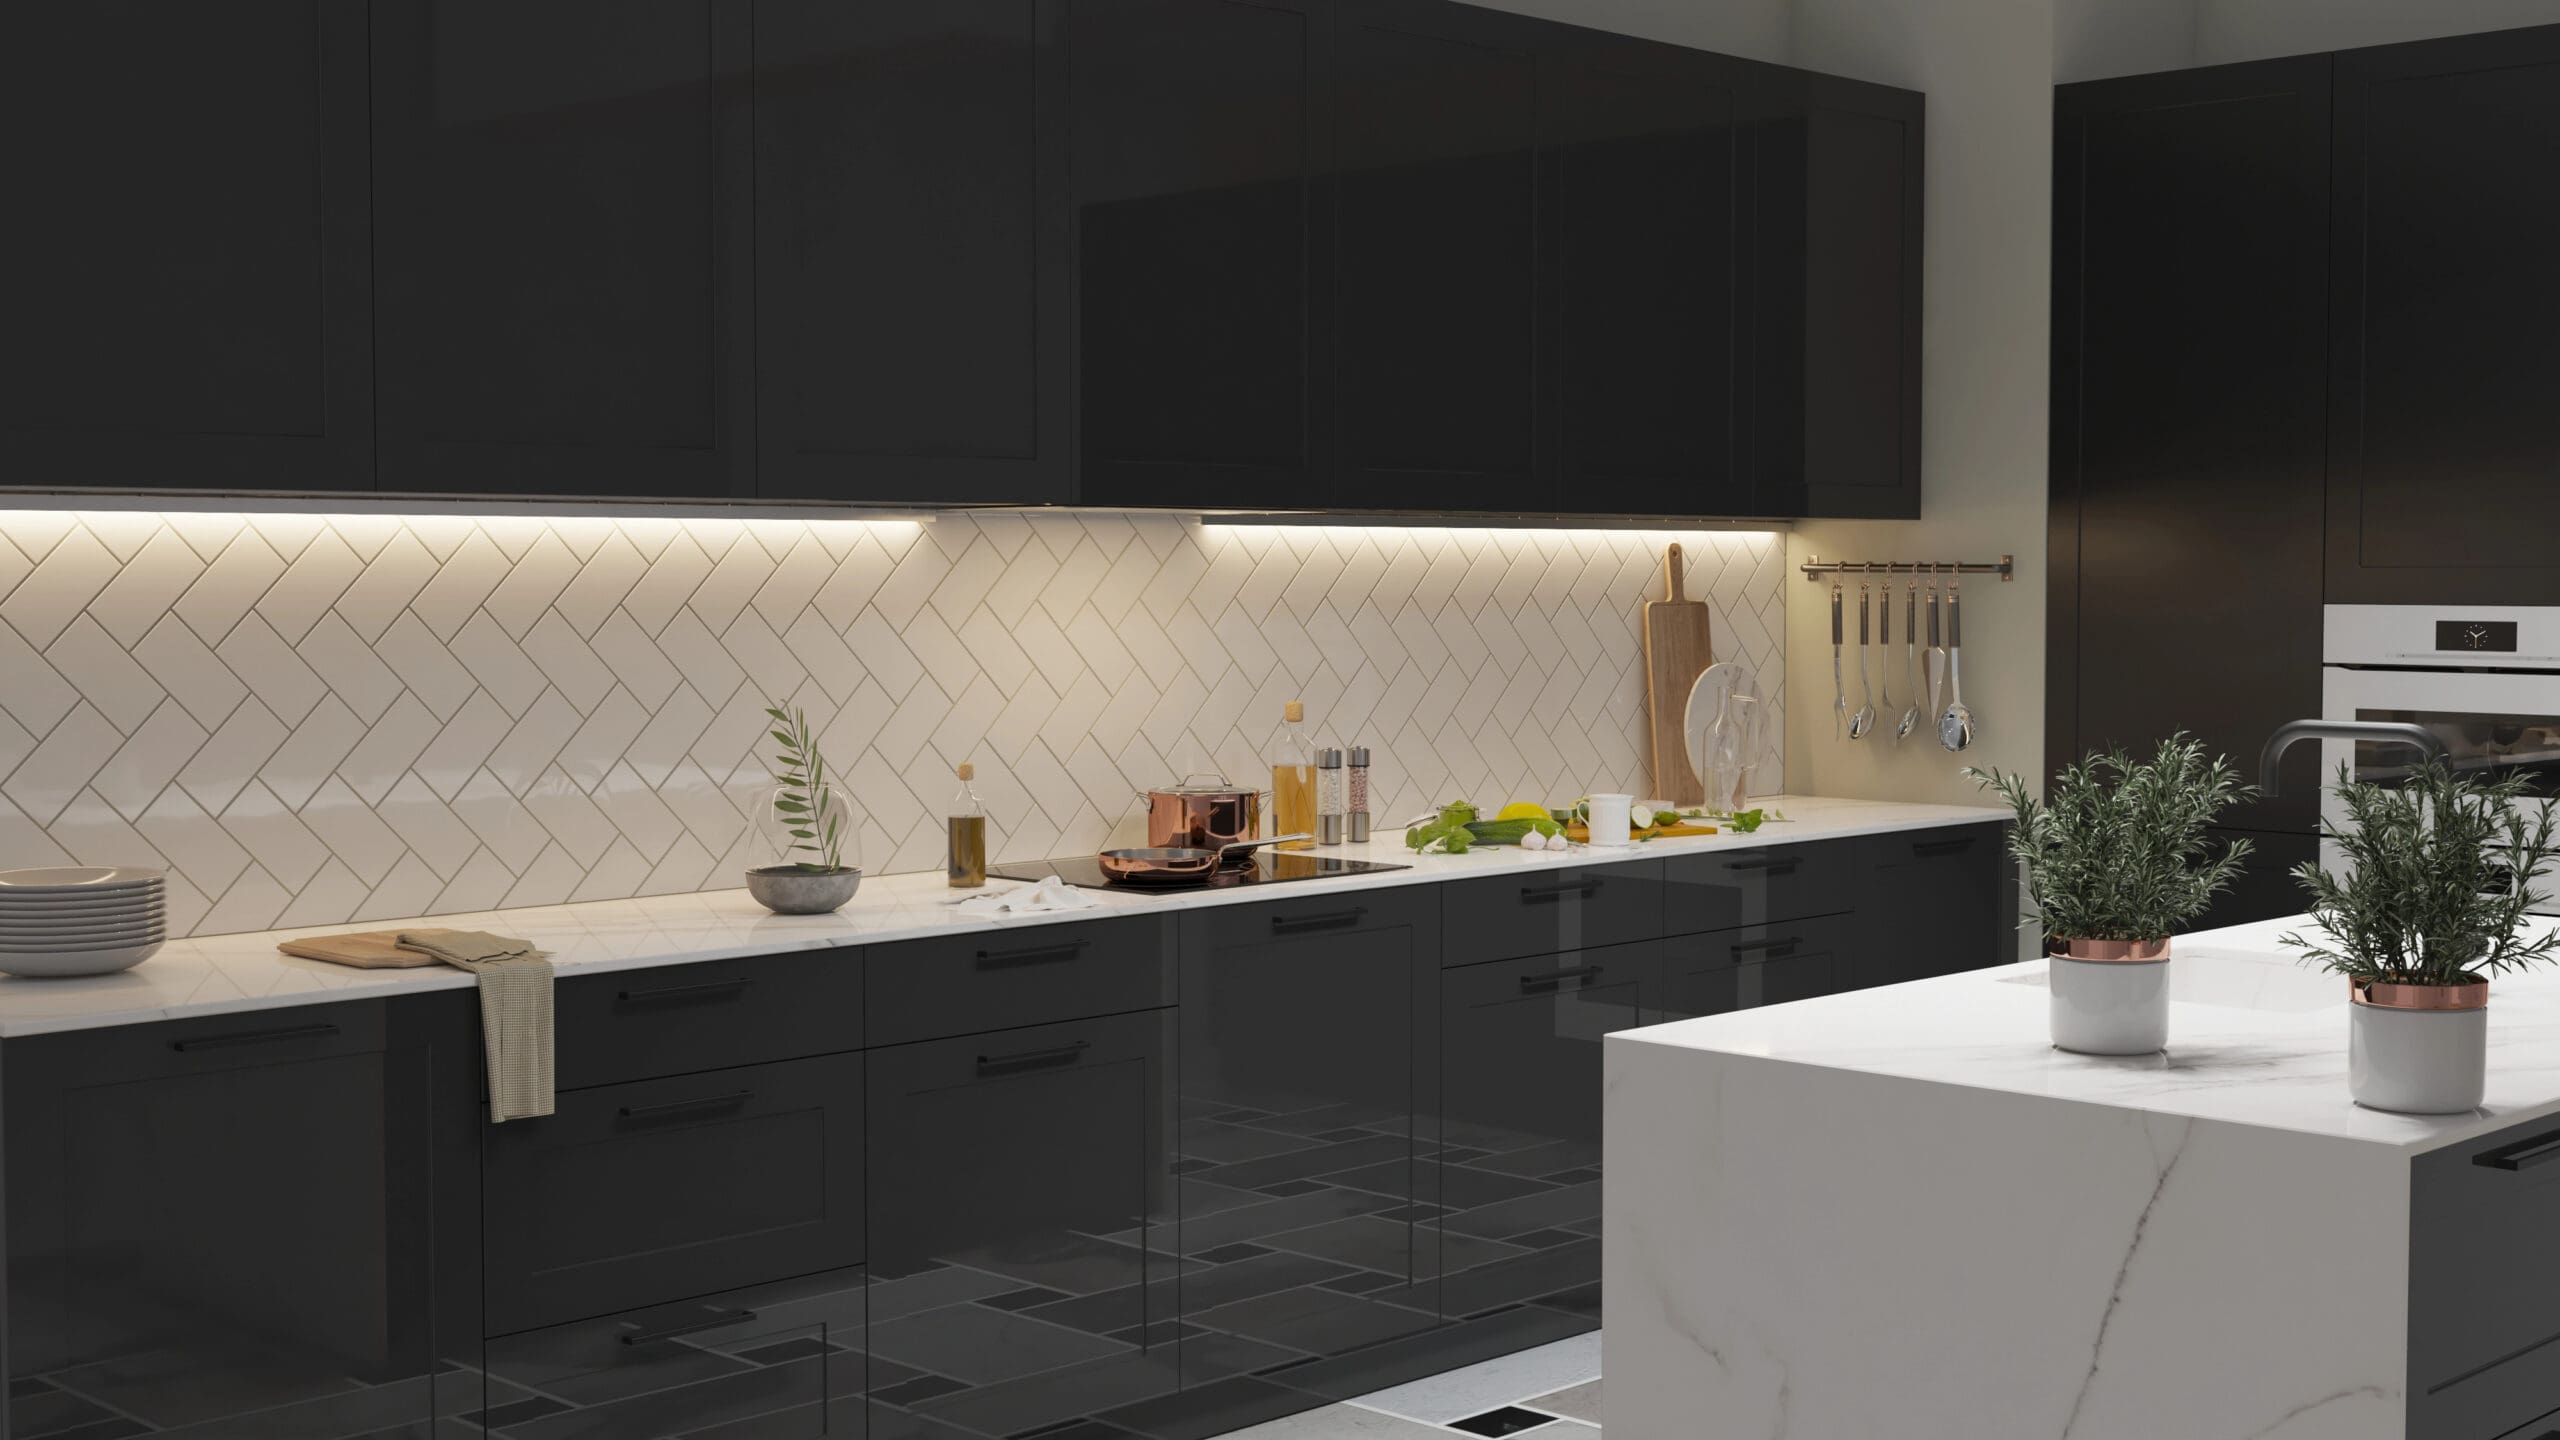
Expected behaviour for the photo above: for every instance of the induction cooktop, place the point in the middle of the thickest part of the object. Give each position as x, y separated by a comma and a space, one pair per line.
1268, 868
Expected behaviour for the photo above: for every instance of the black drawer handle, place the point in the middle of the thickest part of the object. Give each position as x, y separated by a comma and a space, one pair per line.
1775, 864
2522, 1155
1330, 920
1589, 884
1041, 955
1022, 1060
1941, 847
1772, 943
706, 1105
1554, 980
678, 994
720, 1321
254, 1037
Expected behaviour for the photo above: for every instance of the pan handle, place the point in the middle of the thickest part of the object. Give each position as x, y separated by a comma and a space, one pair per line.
1257, 844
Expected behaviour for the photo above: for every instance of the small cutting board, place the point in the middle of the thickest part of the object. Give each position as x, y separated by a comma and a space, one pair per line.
1676, 653
364, 950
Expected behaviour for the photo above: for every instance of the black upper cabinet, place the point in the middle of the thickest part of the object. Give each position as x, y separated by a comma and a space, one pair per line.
2190, 321
2444, 464
911, 258
1832, 296
1194, 168
187, 233
1639, 191
1434, 244
562, 197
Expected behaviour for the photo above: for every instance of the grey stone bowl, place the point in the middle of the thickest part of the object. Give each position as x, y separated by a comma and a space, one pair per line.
789, 890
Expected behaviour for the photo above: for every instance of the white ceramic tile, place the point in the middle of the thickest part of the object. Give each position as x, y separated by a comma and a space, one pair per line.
502, 668
310, 585
390, 746
144, 588
349, 667
311, 754
554, 644
93, 663
263, 661
274, 836
235, 581
62, 763
58, 589
230, 759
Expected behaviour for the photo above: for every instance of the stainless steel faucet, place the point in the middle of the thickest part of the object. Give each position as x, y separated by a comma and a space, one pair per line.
2418, 737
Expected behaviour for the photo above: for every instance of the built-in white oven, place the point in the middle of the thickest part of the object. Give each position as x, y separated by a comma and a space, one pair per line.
2483, 679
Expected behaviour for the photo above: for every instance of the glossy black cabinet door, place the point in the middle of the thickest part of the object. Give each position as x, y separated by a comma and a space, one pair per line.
232, 1224
2190, 327
1432, 354
1832, 296
2444, 459
1022, 1227
911, 254
1520, 1123
188, 235
1933, 902
1756, 965
1640, 200
1194, 164
561, 200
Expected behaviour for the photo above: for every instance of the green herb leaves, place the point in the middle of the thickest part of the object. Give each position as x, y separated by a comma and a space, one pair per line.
803, 791
2440, 873
2119, 850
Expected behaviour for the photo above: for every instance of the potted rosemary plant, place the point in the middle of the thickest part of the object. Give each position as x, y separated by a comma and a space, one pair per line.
807, 823
2434, 902
2117, 859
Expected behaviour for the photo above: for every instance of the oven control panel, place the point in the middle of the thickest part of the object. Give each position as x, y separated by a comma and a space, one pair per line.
2485, 637
2442, 637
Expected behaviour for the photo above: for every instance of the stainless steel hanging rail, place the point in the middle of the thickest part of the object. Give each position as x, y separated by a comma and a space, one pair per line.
2005, 567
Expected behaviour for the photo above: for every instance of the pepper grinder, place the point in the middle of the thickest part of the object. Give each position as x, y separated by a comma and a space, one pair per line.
1357, 825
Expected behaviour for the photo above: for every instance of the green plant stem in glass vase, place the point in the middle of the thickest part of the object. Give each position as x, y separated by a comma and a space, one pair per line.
804, 798
2438, 881
2120, 849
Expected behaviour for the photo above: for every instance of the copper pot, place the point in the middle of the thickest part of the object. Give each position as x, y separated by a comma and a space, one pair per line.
1204, 812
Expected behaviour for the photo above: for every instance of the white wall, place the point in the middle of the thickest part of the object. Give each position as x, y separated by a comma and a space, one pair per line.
2228, 30
2093, 39
1753, 29
1987, 68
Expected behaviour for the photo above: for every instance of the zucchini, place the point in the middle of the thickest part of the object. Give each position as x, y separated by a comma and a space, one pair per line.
1508, 832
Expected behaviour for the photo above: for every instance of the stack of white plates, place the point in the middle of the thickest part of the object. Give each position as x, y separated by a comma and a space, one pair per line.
81, 920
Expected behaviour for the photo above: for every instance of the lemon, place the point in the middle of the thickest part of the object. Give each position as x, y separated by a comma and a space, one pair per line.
1522, 810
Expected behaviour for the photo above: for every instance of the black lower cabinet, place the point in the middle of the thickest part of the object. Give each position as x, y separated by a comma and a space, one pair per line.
2484, 1286
1519, 1160
212, 1220
1756, 965
1933, 902
1022, 1227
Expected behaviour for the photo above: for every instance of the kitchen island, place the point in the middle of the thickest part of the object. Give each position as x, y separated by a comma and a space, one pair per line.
1899, 1212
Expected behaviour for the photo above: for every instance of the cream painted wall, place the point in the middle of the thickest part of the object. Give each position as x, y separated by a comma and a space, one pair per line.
2228, 30
1987, 67
1753, 29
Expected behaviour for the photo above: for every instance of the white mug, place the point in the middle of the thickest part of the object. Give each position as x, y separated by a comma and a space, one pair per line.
1609, 819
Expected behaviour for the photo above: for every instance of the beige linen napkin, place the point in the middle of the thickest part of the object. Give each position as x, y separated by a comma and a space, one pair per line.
515, 1013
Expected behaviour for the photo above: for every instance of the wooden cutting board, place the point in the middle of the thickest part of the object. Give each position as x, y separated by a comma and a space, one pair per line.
364, 950
1676, 653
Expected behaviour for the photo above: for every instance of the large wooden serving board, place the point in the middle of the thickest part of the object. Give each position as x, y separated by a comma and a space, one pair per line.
363, 950
1677, 651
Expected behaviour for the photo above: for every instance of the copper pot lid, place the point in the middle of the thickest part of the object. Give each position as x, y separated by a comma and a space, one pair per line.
1203, 785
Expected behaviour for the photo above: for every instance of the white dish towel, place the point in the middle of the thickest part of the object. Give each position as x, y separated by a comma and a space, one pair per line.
1050, 895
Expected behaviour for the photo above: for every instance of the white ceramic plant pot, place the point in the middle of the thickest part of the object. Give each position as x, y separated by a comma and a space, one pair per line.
2418, 1049
2109, 997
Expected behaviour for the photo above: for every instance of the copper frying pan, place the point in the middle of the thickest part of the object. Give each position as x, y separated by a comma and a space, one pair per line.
1177, 865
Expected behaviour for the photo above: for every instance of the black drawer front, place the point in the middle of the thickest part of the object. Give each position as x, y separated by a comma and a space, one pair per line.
1755, 965
761, 1361
1724, 888
219, 1042
2484, 1283
1024, 975
1339, 912
674, 1019
1539, 910
638, 1193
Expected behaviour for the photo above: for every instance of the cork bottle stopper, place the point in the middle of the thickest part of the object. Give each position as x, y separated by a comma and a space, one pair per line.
1295, 712
968, 771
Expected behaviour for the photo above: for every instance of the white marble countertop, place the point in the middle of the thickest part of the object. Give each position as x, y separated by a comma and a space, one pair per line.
2254, 1039
214, 974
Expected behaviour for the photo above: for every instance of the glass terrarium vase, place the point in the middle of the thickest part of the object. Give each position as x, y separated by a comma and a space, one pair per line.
801, 829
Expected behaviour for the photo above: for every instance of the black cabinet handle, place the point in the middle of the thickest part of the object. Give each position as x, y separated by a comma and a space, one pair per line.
1330, 920
1587, 885
1773, 942
1554, 980
680, 994
1039, 955
2522, 1155
254, 1037
1941, 847
1022, 1060
689, 1327
1773, 863
708, 1104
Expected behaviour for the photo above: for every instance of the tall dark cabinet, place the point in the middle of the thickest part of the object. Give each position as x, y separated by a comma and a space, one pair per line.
2444, 464
562, 246
2189, 425
189, 245
1195, 135
911, 257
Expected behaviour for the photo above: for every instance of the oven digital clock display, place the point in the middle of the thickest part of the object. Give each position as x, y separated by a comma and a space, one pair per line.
2482, 636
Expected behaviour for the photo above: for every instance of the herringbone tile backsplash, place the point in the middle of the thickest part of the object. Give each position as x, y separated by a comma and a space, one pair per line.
315, 719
